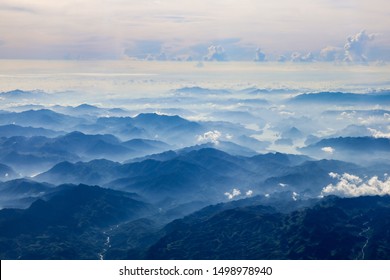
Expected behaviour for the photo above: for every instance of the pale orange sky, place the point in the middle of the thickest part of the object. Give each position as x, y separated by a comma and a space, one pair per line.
116, 28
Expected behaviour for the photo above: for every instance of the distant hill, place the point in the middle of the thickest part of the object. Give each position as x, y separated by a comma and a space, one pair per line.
200, 90
68, 225
335, 228
20, 193
11, 130
43, 118
342, 98
362, 150
7, 173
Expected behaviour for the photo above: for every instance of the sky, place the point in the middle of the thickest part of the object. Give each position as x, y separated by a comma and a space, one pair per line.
300, 30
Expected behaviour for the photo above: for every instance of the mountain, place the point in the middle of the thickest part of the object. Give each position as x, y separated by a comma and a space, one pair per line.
309, 178
292, 133
7, 173
23, 187
87, 110
342, 98
43, 118
200, 90
182, 176
334, 228
358, 149
11, 130
170, 129
18, 94
93, 172
20, 193
145, 146
356, 113
27, 156
225, 146
69, 225
34, 154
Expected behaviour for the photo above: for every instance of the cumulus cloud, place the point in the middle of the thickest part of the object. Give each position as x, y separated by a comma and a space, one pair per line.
298, 57
216, 53
236, 192
379, 134
210, 136
233, 194
356, 45
260, 56
330, 53
349, 185
328, 150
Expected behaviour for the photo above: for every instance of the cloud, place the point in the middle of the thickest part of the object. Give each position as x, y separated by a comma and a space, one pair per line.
282, 58
352, 186
160, 57
379, 134
260, 56
298, 57
249, 193
215, 53
295, 196
210, 136
328, 150
355, 48
334, 175
233, 194
330, 53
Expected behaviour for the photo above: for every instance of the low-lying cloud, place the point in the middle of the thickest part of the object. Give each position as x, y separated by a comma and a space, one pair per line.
328, 150
210, 136
379, 134
233, 194
349, 185
236, 193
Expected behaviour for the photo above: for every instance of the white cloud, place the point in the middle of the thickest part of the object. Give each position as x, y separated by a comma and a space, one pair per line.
332, 54
334, 175
210, 136
235, 192
328, 150
215, 53
353, 186
249, 193
356, 45
295, 196
260, 56
379, 134
298, 57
